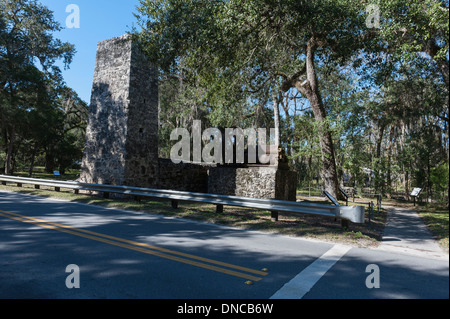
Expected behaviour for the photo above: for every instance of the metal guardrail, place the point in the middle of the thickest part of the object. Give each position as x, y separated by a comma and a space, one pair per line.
354, 213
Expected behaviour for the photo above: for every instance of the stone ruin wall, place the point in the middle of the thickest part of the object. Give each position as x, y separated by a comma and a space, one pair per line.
122, 136
253, 181
183, 176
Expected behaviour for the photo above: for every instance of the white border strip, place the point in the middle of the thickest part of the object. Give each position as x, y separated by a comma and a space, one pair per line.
301, 284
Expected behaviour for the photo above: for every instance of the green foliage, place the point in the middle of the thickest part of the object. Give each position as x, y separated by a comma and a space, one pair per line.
384, 89
416, 26
439, 177
38, 112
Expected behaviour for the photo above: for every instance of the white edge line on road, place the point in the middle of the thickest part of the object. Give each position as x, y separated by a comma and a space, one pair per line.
301, 284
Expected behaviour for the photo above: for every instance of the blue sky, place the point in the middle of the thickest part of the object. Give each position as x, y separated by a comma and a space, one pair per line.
99, 20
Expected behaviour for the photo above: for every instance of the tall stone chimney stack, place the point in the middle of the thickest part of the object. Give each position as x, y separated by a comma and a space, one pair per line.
122, 133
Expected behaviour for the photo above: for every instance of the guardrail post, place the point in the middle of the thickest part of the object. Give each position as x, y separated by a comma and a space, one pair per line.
274, 216
19, 184
373, 205
76, 191
345, 195
3, 183
174, 204
370, 212
57, 189
37, 186
219, 208
344, 223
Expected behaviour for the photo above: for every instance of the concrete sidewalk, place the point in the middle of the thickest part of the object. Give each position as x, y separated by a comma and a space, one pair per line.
406, 233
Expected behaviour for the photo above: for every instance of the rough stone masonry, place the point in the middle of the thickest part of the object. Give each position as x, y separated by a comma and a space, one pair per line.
122, 136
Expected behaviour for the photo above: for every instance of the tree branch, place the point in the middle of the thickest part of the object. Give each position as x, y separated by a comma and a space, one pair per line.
290, 82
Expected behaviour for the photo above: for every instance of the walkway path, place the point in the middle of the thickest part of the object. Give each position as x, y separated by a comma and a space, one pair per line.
406, 233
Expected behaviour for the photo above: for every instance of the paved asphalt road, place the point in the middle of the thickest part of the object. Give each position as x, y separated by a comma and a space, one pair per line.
123, 254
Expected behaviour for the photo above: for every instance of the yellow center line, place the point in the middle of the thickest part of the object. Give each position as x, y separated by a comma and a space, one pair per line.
146, 248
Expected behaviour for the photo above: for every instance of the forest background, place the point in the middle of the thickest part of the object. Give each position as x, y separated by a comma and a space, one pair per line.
358, 89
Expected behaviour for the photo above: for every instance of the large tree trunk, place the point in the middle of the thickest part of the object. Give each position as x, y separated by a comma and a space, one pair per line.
33, 158
405, 170
389, 158
49, 161
379, 182
8, 164
276, 113
310, 90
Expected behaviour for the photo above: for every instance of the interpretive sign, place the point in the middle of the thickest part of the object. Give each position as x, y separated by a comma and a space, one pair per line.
416, 191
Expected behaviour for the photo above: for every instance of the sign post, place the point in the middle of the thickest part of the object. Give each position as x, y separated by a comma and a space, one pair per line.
331, 198
345, 195
415, 193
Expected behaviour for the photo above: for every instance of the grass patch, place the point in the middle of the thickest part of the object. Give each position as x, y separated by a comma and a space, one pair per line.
437, 219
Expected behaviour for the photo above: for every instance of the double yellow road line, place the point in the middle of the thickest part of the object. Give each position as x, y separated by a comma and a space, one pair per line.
210, 264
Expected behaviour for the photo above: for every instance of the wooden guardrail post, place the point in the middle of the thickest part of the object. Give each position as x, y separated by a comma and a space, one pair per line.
274, 215
344, 223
